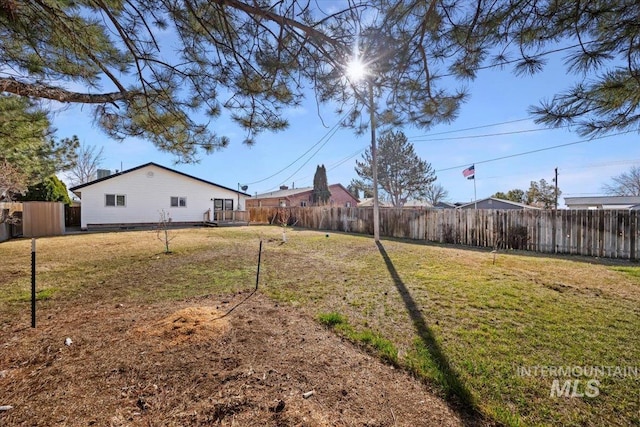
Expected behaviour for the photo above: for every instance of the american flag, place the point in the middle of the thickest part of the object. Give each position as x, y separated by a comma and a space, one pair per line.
469, 172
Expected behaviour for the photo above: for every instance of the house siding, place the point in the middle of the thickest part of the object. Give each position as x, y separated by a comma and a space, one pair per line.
147, 195
339, 198
272, 202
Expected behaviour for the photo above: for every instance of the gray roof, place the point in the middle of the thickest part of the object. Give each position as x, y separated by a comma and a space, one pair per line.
283, 193
445, 205
509, 202
417, 203
602, 200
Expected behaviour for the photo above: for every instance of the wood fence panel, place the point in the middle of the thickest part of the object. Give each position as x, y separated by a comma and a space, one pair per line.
626, 238
633, 232
72, 216
603, 233
43, 219
606, 235
541, 241
561, 241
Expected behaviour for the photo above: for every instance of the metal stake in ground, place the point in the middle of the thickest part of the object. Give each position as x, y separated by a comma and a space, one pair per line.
252, 292
33, 283
259, 259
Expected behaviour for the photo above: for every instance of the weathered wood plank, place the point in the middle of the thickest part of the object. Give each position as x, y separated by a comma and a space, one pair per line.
601, 233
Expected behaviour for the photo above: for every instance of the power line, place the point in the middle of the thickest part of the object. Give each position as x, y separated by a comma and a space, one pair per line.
487, 134
447, 132
333, 132
533, 151
439, 133
338, 163
305, 153
351, 156
472, 128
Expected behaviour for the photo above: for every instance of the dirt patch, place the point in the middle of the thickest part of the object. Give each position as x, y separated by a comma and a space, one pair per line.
188, 325
177, 364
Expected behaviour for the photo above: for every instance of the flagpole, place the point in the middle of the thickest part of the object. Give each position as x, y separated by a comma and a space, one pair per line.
475, 198
470, 173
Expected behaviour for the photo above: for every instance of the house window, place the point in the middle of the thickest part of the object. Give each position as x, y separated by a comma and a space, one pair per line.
178, 202
223, 204
303, 203
348, 204
283, 203
115, 200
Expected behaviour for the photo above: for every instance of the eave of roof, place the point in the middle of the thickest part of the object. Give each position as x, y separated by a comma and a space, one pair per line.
602, 200
509, 202
78, 187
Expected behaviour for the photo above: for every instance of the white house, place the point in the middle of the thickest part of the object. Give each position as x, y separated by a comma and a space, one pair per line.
602, 202
137, 197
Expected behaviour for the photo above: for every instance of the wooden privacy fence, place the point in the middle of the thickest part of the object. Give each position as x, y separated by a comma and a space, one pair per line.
602, 233
72, 216
43, 219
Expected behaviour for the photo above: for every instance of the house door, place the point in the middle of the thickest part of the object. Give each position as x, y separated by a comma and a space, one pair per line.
222, 209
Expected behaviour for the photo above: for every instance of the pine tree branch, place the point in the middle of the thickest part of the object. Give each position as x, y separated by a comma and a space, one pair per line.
40, 90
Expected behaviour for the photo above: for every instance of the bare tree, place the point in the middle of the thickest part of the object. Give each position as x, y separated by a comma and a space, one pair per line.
162, 230
87, 164
436, 193
12, 181
625, 184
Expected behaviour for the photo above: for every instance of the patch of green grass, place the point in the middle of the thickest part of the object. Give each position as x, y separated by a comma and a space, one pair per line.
45, 294
25, 295
631, 271
331, 319
383, 347
421, 360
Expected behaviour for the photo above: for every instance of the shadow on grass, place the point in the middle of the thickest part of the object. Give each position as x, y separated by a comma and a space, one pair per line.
456, 391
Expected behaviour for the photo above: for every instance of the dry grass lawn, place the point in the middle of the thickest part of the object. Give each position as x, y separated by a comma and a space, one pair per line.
448, 315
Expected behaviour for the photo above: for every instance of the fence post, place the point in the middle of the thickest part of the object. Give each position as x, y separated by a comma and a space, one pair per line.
633, 217
554, 226
33, 283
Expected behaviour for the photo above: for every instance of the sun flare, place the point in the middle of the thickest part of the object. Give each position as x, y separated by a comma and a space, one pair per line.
356, 70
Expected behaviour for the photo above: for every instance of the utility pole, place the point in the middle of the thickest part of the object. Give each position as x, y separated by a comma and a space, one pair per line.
556, 192
374, 165
554, 217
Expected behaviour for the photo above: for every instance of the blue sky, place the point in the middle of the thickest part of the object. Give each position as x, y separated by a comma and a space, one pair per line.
496, 96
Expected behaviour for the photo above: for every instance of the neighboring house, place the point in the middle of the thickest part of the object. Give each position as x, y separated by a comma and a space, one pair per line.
493, 203
410, 204
368, 202
445, 205
603, 202
417, 204
137, 196
286, 196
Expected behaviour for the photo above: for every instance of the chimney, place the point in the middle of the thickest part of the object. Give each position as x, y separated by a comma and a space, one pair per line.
284, 187
103, 173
